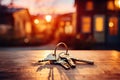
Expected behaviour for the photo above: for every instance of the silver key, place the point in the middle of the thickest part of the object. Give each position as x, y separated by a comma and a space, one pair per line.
68, 59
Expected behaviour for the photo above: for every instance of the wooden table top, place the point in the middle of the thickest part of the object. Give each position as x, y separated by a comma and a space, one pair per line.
22, 65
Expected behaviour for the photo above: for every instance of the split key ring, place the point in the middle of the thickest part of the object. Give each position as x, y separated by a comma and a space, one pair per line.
61, 43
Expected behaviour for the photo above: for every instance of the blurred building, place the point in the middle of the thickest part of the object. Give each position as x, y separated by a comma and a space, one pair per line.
15, 23
99, 18
65, 24
43, 28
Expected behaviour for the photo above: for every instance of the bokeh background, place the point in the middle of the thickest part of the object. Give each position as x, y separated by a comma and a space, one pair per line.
81, 24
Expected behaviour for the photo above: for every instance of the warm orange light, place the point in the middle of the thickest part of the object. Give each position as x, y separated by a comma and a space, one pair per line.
117, 3
28, 27
41, 28
110, 5
99, 23
89, 5
48, 18
111, 24
36, 21
68, 28
86, 24
26, 40
78, 36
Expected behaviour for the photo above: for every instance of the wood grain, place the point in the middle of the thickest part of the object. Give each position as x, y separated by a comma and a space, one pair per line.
22, 65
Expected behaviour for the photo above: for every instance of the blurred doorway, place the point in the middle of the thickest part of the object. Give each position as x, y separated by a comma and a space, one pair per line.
112, 35
99, 28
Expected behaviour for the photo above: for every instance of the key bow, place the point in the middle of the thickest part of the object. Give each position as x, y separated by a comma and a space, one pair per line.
66, 47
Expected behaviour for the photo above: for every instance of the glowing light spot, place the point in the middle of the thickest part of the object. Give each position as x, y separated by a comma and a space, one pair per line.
48, 18
26, 40
36, 21
111, 24
117, 3
78, 36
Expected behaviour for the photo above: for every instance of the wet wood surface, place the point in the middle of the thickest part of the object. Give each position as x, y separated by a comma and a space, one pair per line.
22, 65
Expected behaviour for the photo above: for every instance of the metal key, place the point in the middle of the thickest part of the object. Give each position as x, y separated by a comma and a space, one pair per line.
64, 60
63, 63
53, 60
49, 58
85, 61
68, 59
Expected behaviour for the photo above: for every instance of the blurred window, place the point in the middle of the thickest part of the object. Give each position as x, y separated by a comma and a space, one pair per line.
113, 25
61, 24
89, 6
4, 29
117, 3
110, 5
61, 27
28, 27
68, 28
99, 23
86, 24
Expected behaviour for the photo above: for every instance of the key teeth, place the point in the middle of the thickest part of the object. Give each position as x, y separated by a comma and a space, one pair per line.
72, 65
66, 68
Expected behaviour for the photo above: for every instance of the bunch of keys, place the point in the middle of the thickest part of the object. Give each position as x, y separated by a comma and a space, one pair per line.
63, 58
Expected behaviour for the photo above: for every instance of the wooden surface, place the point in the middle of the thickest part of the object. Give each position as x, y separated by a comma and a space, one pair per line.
22, 65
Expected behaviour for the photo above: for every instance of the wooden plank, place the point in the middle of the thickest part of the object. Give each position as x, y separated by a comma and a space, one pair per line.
22, 65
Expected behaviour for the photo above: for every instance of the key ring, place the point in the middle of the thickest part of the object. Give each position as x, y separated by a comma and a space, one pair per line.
61, 43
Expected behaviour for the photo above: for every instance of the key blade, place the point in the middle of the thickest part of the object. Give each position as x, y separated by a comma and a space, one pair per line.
88, 62
68, 59
49, 58
71, 63
64, 64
